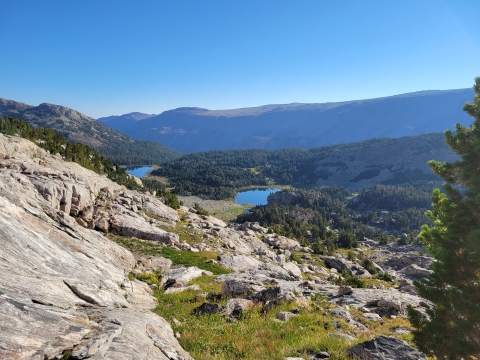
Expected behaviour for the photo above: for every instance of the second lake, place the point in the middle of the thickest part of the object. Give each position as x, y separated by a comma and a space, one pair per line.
140, 171
255, 196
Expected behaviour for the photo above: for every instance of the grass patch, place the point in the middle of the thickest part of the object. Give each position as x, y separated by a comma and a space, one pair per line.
297, 256
178, 257
185, 234
188, 258
148, 277
231, 212
257, 335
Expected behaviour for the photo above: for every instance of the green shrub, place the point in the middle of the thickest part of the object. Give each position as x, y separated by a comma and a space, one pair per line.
148, 277
384, 276
351, 280
355, 282
171, 200
350, 255
369, 266
200, 210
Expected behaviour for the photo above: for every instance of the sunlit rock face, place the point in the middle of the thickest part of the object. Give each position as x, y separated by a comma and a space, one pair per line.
63, 286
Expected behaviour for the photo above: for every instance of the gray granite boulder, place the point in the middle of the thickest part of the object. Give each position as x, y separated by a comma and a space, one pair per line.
385, 348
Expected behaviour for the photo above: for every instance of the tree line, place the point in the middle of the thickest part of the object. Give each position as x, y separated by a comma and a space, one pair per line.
56, 143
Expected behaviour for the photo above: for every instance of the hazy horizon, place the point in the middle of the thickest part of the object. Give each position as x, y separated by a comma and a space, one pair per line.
104, 58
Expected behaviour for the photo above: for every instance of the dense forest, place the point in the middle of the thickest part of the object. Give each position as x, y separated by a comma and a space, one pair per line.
220, 174
57, 144
336, 215
136, 152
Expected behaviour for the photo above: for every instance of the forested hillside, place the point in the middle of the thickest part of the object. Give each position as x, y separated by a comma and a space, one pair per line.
219, 174
77, 127
77, 152
310, 215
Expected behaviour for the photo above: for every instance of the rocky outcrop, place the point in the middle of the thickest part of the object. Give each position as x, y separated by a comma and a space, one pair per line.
127, 225
183, 275
239, 241
239, 263
385, 348
351, 267
59, 276
284, 243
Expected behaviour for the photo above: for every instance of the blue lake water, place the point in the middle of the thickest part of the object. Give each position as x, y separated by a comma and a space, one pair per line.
140, 171
254, 197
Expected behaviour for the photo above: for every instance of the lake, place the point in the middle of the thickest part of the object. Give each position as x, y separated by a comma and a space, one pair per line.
254, 197
140, 171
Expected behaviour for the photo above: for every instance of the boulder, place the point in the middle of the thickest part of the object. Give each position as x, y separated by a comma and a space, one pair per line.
416, 271
341, 312
206, 309
345, 290
149, 263
372, 317
275, 295
157, 208
183, 275
282, 242
236, 307
87, 213
175, 290
351, 267
137, 227
386, 302
293, 270
102, 224
285, 315
236, 288
81, 222
385, 348
239, 263
320, 355
341, 336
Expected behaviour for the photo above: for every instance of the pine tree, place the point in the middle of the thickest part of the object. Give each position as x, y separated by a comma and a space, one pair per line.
452, 328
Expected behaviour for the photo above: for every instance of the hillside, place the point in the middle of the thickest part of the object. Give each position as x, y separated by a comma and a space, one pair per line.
219, 174
299, 125
77, 127
86, 259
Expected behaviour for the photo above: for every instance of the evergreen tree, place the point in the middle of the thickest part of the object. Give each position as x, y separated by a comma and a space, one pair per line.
452, 329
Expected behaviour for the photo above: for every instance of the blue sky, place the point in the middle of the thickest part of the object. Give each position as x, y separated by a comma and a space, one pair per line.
113, 57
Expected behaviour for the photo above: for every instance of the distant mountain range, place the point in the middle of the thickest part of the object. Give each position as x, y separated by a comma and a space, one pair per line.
298, 125
77, 127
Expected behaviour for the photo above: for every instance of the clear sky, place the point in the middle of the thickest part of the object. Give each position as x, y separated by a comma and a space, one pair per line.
112, 57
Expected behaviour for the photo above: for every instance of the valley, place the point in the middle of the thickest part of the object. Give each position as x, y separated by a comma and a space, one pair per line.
102, 255
323, 268
240, 180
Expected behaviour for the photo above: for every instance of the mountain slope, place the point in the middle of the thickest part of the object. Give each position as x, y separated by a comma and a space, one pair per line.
219, 174
300, 125
78, 127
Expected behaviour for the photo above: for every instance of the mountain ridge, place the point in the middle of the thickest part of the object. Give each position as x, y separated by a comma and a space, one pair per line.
275, 126
77, 127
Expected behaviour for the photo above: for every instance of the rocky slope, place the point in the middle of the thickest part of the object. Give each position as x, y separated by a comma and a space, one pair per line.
299, 125
78, 127
58, 270
64, 289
